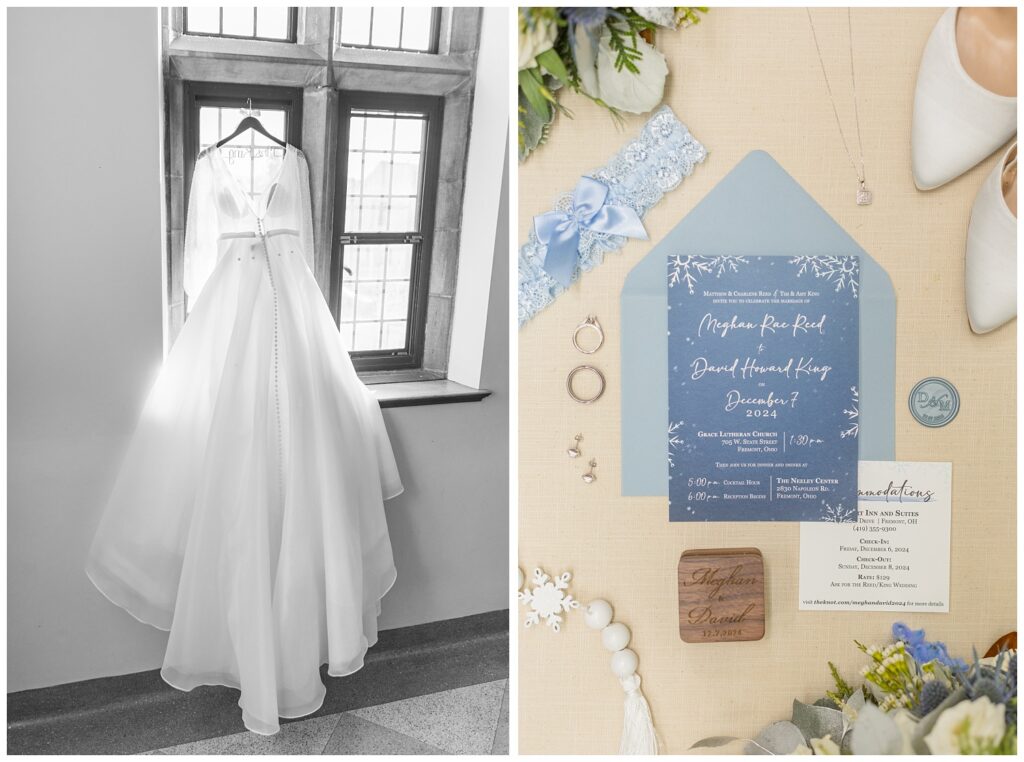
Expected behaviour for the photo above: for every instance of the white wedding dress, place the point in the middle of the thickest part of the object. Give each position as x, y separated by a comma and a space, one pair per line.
247, 518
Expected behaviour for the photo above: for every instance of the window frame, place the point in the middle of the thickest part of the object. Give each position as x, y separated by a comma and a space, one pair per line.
309, 66
435, 34
228, 95
293, 15
411, 356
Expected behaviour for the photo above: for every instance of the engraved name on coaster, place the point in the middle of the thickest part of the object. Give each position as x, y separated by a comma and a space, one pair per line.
721, 595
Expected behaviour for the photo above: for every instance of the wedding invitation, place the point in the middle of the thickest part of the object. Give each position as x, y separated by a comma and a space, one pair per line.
895, 557
763, 401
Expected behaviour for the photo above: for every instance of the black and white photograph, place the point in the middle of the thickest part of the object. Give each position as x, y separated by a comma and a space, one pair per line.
258, 380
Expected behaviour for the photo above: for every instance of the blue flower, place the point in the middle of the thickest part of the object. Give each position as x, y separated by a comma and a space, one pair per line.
911, 637
588, 18
924, 651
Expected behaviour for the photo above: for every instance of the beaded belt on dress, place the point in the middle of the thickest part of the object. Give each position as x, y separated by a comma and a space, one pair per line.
259, 233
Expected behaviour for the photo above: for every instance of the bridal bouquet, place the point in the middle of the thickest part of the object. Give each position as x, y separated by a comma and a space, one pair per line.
607, 54
914, 699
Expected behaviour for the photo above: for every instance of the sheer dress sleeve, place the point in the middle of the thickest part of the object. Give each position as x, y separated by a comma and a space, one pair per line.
305, 213
201, 229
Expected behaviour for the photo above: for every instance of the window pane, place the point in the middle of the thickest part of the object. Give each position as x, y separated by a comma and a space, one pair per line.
379, 133
355, 26
390, 27
272, 22
375, 295
374, 214
203, 19
399, 261
387, 27
396, 299
371, 262
416, 28
385, 165
356, 126
402, 218
348, 300
238, 21
405, 179
209, 126
393, 335
355, 173
369, 298
353, 213
409, 134
367, 336
377, 174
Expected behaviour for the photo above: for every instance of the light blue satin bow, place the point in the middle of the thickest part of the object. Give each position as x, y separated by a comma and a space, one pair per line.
560, 231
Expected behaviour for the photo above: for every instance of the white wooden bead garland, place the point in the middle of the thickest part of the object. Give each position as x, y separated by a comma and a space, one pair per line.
638, 734
547, 597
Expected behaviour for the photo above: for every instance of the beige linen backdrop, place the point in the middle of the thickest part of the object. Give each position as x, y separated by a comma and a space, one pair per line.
744, 80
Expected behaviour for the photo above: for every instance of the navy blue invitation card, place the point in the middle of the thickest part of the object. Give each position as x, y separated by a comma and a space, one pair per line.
763, 396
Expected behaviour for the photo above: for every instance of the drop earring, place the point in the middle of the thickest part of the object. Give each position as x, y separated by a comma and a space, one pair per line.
590, 477
574, 451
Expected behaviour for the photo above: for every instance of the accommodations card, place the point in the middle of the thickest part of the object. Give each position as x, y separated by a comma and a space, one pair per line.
896, 556
763, 402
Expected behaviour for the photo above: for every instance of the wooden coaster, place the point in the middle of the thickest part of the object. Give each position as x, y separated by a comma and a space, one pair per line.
721, 595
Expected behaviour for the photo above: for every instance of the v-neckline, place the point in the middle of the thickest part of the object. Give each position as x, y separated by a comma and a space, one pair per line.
271, 186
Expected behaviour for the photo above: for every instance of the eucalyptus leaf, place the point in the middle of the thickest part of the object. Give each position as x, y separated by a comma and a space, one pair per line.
778, 738
530, 88
553, 65
875, 733
713, 742
924, 727
533, 128
852, 706
818, 721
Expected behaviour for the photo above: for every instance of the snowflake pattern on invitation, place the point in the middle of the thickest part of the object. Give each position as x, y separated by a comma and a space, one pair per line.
690, 268
843, 272
852, 414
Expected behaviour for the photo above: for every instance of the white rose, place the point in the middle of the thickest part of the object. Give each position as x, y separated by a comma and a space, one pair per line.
535, 39
968, 723
622, 90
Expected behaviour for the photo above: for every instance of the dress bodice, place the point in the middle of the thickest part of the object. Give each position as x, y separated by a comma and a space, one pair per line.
220, 212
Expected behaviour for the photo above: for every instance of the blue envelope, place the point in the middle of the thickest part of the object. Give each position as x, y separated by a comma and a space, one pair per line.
756, 209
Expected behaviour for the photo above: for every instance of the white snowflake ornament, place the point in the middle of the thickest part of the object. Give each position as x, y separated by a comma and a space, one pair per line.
547, 599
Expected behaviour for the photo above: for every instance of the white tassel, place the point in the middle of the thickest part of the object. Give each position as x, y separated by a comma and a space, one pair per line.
638, 734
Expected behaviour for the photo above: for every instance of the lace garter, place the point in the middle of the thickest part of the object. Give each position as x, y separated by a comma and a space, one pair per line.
637, 177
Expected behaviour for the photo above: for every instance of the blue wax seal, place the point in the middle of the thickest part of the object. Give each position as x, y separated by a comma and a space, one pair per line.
934, 402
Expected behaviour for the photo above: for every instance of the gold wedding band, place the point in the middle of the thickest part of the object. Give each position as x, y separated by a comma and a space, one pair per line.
572, 375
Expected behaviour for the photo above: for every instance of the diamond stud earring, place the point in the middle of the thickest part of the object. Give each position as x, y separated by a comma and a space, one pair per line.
590, 477
574, 451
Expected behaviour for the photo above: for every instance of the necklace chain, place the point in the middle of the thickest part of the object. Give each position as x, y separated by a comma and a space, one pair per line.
859, 170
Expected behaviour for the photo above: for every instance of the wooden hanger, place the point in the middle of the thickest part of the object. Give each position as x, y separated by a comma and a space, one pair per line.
250, 123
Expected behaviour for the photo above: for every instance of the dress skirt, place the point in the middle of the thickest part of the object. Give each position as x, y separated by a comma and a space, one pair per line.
247, 519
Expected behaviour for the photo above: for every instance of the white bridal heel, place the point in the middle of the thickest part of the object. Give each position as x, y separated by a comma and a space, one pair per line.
990, 274
957, 122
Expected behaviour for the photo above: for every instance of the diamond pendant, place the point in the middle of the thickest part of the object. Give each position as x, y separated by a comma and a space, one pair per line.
863, 196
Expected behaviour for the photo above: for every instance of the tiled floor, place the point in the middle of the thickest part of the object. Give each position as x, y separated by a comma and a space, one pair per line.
469, 720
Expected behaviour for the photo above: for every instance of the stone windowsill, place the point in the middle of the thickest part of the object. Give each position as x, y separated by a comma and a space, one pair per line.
433, 392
